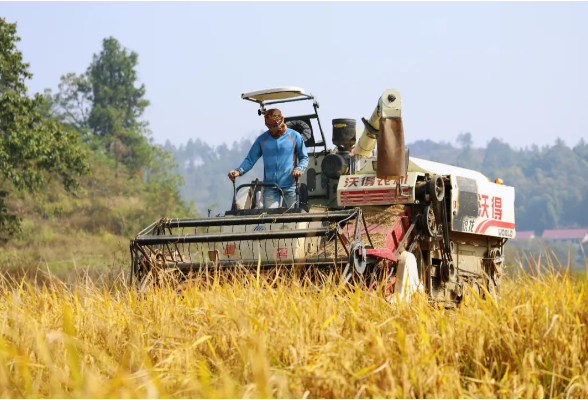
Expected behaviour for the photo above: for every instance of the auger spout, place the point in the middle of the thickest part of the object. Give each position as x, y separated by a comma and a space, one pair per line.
385, 129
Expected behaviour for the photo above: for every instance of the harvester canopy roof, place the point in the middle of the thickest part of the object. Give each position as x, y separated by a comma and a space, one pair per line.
282, 93
432, 167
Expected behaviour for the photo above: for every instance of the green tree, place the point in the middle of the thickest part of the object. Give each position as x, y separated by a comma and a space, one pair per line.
465, 140
469, 157
498, 156
72, 104
32, 148
118, 104
105, 105
163, 184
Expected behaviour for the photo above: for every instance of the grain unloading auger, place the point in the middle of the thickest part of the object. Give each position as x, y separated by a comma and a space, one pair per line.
393, 221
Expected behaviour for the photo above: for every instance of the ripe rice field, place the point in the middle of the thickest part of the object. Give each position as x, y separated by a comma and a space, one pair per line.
261, 339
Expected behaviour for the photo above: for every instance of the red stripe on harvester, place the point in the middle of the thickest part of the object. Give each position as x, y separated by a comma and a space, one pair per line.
357, 192
481, 225
498, 224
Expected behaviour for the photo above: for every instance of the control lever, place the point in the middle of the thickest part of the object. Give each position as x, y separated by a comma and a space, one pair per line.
297, 193
258, 203
234, 206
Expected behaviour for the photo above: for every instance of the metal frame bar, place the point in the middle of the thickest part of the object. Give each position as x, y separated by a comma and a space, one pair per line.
302, 97
324, 143
231, 237
232, 263
405, 237
150, 227
307, 116
335, 216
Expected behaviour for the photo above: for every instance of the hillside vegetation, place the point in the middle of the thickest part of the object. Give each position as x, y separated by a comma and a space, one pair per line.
80, 174
60, 231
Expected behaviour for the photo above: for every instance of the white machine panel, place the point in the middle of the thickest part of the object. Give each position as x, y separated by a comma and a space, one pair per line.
368, 189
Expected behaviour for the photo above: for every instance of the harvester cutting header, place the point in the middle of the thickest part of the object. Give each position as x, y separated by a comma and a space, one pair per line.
414, 225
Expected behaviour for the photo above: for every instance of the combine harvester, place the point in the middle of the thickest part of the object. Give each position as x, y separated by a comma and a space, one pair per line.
407, 223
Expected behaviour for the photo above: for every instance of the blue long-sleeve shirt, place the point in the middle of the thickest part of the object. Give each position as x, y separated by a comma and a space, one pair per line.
280, 157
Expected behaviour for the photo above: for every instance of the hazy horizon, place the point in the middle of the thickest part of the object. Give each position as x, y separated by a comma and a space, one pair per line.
514, 71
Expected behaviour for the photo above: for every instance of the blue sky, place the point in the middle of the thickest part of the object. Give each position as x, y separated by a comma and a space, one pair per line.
515, 71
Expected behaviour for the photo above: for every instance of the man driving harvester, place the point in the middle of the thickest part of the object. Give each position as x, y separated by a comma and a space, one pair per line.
284, 158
